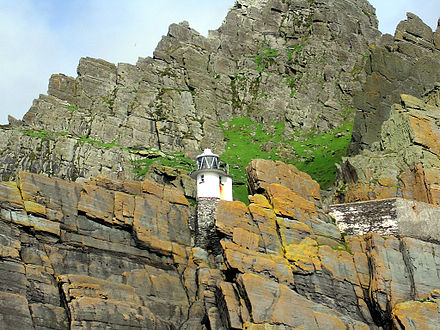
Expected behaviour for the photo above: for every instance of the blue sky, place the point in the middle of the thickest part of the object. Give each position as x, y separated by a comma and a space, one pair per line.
41, 37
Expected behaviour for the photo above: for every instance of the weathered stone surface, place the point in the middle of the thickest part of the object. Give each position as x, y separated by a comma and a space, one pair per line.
96, 202
85, 246
404, 163
58, 195
294, 62
408, 63
133, 265
418, 314
14, 311
262, 173
390, 217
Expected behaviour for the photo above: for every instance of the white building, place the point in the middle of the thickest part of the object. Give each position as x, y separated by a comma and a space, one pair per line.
213, 179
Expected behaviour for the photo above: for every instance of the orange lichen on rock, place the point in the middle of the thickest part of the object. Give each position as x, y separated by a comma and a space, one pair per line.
287, 203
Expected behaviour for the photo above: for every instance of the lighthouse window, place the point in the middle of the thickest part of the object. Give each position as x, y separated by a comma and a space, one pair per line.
202, 178
220, 180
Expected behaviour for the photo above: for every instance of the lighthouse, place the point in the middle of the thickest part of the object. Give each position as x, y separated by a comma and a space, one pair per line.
213, 184
212, 177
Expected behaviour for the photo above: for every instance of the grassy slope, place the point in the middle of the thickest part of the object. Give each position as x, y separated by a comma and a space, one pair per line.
313, 153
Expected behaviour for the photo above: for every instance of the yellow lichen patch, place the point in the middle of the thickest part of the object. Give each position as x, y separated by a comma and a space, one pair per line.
304, 256
416, 315
250, 261
231, 215
35, 208
262, 326
10, 194
285, 202
245, 238
259, 200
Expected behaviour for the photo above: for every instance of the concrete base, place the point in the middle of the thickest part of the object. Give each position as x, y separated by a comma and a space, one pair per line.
389, 217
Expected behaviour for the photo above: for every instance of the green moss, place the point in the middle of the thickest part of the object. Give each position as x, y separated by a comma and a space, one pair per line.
86, 139
172, 159
72, 108
265, 58
41, 134
313, 153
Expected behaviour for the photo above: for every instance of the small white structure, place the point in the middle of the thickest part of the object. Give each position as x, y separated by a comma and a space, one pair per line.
213, 179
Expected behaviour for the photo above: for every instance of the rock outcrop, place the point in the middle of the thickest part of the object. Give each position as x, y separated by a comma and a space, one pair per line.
120, 253
297, 62
405, 162
85, 245
408, 63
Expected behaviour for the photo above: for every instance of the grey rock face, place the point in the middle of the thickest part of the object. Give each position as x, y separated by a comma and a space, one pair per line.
293, 61
408, 63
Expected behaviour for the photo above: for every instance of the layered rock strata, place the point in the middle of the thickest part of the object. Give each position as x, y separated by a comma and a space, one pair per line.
113, 253
405, 162
407, 63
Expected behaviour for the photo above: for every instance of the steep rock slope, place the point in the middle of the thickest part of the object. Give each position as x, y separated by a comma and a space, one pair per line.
291, 66
405, 162
112, 253
408, 63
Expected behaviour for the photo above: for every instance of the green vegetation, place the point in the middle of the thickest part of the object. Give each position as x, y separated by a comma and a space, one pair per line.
314, 153
86, 139
265, 58
172, 159
42, 134
140, 166
72, 108
292, 83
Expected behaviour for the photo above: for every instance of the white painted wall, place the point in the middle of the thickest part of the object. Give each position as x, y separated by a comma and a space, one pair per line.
226, 189
208, 185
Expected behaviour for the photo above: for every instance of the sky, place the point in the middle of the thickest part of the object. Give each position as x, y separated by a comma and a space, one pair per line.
42, 37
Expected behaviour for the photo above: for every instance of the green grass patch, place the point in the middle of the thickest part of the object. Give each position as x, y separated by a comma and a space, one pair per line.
313, 153
41, 134
112, 144
264, 58
172, 159
72, 108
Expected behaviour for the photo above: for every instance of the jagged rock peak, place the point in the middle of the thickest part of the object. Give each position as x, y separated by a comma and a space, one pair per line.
408, 63
292, 63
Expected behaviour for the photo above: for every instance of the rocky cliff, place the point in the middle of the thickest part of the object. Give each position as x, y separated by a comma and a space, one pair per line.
118, 254
405, 162
408, 63
98, 219
286, 70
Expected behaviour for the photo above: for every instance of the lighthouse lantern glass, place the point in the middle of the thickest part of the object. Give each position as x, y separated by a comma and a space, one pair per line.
210, 162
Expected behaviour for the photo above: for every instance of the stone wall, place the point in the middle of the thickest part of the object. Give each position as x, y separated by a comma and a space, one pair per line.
389, 217
206, 235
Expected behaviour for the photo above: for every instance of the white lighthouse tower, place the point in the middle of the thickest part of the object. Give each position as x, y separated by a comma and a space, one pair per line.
213, 179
